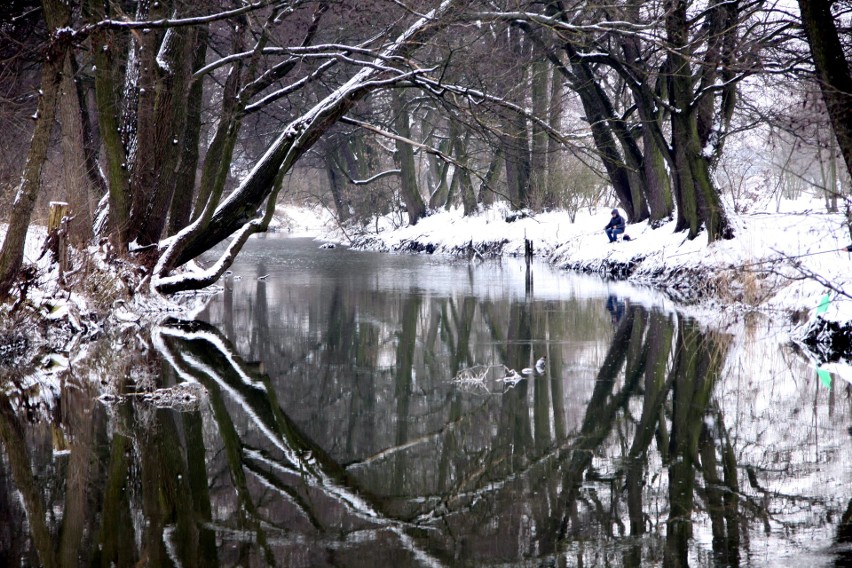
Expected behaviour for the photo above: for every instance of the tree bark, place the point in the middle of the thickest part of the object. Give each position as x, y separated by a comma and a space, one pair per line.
184, 192
404, 157
57, 16
833, 70
698, 199
106, 51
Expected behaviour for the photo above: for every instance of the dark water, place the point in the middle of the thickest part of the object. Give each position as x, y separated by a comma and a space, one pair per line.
356, 411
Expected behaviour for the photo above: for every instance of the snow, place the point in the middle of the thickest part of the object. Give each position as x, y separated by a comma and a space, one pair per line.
778, 262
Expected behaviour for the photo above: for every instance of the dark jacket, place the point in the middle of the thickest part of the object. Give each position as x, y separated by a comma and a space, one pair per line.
616, 222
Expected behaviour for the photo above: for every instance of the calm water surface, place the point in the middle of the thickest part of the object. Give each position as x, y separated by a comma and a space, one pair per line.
360, 409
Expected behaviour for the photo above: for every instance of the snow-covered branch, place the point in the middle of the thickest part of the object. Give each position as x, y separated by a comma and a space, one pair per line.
176, 22
241, 206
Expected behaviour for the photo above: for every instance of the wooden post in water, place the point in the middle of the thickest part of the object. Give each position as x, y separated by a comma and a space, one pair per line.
57, 234
528, 256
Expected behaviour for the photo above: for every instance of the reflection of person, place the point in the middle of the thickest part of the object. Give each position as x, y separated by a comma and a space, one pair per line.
615, 226
615, 307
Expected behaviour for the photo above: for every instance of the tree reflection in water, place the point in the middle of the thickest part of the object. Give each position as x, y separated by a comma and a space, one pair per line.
646, 473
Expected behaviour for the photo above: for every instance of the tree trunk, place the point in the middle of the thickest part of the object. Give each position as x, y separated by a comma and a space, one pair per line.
106, 52
161, 119
514, 139
833, 70
12, 253
468, 198
181, 208
657, 180
487, 192
698, 200
538, 156
336, 181
657, 183
595, 108
554, 157
404, 157
75, 181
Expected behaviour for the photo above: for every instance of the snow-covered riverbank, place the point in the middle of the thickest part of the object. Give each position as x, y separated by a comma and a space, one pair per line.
789, 263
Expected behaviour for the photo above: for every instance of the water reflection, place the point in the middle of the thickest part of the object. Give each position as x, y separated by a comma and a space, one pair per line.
361, 417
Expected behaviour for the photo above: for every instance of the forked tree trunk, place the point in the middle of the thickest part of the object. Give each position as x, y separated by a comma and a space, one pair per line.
698, 200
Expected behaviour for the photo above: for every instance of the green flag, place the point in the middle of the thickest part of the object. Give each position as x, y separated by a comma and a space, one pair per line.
824, 378
823, 304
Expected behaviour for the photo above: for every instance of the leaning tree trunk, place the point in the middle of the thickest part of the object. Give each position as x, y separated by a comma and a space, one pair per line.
592, 98
239, 212
214, 170
12, 253
833, 70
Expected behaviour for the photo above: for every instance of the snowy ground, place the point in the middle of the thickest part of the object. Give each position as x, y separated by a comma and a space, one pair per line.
790, 262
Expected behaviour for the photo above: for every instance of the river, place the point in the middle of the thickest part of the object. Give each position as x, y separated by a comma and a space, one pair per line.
339, 408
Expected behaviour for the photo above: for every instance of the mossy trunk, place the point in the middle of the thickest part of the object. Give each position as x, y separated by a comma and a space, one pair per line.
181, 207
698, 200
108, 61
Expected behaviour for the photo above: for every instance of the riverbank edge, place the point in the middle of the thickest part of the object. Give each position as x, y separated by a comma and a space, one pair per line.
700, 287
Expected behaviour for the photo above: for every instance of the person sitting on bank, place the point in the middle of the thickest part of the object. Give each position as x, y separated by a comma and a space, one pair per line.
615, 226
